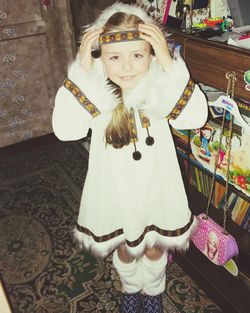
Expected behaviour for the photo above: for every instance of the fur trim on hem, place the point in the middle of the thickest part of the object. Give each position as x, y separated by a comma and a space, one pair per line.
98, 249
152, 238
179, 243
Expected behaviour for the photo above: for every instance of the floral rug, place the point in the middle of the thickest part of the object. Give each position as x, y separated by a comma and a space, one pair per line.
43, 269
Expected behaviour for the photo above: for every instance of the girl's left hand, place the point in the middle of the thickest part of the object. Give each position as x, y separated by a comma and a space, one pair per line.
152, 34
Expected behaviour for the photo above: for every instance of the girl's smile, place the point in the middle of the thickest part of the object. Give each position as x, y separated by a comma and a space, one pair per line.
126, 77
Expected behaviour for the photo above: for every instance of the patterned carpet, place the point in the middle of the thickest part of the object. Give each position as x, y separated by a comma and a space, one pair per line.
42, 267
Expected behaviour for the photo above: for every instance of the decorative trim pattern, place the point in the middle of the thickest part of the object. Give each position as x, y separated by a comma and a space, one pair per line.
81, 98
114, 37
167, 233
145, 122
132, 122
182, 102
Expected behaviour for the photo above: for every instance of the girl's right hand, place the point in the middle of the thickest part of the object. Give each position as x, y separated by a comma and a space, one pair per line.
86, 59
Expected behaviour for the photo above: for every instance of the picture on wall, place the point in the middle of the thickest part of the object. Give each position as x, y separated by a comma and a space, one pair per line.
159, 8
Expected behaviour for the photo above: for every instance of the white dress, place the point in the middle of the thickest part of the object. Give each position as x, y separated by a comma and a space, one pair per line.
142, 203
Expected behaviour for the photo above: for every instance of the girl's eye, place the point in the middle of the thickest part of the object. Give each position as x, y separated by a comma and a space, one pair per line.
138, 55
114, 58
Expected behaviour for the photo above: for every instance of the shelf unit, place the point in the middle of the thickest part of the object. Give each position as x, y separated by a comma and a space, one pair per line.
208, 63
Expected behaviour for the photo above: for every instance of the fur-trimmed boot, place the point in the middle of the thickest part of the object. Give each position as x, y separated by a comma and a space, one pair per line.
154, 282
131, 281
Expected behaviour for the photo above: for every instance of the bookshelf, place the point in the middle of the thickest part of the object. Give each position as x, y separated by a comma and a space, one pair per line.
208, 63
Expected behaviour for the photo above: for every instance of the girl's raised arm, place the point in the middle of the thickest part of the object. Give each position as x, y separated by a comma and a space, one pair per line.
152, 34
86, 59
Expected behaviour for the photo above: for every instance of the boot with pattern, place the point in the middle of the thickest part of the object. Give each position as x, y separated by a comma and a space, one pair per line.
131, 303
152, 304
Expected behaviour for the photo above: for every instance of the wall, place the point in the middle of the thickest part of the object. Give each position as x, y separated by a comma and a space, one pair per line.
37, 43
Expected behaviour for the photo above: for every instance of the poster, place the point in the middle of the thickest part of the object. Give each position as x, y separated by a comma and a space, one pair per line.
158, 8
204, 145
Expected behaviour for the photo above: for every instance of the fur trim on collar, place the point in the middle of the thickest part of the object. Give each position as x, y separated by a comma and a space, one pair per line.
156, 93
159, 90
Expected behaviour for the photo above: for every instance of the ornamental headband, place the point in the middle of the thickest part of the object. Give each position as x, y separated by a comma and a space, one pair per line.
114, 37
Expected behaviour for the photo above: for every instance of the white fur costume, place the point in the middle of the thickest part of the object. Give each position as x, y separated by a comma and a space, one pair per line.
125, 200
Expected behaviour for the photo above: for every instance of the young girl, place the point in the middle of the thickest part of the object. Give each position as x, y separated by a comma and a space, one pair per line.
126, 87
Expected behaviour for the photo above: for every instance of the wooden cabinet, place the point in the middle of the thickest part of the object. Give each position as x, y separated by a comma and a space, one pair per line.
209, 61
33, 59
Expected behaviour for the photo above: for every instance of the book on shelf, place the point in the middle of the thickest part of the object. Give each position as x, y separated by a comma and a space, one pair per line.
219, 193
239, 216
232, 201
201, 180
236, 209
246, 221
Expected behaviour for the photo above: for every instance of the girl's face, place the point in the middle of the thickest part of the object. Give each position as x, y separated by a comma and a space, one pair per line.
126, 63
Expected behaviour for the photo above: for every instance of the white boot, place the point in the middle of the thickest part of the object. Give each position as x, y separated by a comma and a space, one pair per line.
154, 275
129, 273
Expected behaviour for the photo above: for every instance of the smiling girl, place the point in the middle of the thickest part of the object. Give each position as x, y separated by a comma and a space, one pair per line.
127, 88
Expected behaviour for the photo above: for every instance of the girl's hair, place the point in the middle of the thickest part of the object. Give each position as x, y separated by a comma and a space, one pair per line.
118, 131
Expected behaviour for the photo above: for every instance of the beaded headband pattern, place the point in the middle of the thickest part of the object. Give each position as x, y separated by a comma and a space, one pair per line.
114, 37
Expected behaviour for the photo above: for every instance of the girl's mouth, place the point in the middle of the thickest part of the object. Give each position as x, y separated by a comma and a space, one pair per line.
126, 78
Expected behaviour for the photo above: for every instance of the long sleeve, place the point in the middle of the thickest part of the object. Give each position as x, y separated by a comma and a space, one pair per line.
194, 114
71, 119
195, 109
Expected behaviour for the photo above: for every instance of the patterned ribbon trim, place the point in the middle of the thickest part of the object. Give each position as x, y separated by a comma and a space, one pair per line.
118, 232
114, 37
81, 98
132, 122
145, 122
166, 233
182, 102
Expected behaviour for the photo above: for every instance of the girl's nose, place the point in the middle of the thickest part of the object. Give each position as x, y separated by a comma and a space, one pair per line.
127, 64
